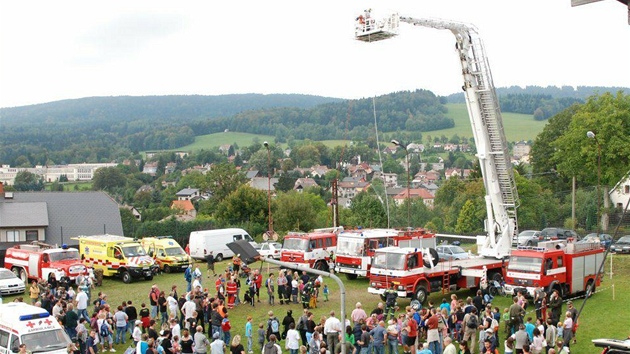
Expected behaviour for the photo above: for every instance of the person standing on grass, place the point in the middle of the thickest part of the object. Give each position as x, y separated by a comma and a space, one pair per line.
292, 339
237, 347
210, 263
90, 344
200, 341
269, 284
249, 334
186, 342
154, 294
120, 319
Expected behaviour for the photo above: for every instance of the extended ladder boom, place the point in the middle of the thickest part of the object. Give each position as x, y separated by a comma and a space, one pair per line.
487, 124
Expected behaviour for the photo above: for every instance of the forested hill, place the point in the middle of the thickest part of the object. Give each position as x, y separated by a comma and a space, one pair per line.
156, 108
415, 111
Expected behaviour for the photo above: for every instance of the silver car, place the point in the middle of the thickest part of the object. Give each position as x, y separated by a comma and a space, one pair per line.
528, 238
451, 252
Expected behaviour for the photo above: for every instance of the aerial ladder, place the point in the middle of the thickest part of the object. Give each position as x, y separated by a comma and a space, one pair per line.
485, 117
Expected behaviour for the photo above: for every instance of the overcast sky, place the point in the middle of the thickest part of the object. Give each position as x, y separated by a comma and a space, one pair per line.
52, 50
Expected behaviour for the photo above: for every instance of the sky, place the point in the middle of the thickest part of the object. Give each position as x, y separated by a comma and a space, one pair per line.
54, 50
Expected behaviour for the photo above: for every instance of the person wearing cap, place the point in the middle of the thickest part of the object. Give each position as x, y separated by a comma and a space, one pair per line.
490, 336
218, 345
137, 332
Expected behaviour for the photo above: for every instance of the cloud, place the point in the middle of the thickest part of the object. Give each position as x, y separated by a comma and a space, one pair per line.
125, 36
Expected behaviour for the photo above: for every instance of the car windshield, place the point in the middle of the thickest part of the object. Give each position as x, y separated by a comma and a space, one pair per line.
133, 251
525, 264
46, 341
64, 255
389, 261
298, 244
350, 246
175, 251
6, 274
457, 249
625, 239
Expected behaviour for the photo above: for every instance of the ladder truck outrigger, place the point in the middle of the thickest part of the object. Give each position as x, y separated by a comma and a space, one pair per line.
416, 279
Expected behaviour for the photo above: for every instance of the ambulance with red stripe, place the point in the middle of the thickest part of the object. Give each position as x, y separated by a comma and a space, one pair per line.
21, 323
117, 256
37, 260
168, 254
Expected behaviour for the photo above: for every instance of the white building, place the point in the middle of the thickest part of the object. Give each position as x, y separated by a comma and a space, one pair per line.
74, 172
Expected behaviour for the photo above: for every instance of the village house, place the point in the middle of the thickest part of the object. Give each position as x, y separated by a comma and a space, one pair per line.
349, 187
302, 183
184, 207
415, 193
188, 194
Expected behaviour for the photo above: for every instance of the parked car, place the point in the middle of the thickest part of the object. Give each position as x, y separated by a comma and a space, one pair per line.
622, 245
613, 346
604, 239
10, 283
528, 238
558, 233
269, 249
451, 252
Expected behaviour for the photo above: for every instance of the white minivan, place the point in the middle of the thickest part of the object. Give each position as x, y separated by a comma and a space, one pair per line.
202, 242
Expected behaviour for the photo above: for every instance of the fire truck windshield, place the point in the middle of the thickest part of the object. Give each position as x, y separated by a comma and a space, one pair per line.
525, 264
350, 246
64, 255
298, 244
133, 251
389, 261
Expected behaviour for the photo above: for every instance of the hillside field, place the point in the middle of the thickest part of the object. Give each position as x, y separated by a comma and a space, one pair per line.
517, 127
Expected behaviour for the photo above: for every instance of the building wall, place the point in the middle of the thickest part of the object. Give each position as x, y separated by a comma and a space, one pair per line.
9, 235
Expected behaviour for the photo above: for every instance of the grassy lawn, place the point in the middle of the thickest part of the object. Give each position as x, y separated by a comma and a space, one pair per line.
74, 186
605, 307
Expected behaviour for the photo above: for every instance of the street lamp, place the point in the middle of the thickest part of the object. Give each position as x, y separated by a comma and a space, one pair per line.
270, 230
397, 143
592, 135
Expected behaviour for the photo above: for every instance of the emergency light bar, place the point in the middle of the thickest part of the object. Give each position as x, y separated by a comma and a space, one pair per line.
34, 316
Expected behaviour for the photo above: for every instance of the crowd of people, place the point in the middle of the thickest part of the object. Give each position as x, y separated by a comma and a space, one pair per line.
197, 320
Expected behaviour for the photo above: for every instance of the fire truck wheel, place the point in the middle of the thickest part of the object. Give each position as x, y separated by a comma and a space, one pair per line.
126, 277
590, 288
167, 269
23, 276
421, 294
351, 276
320, 265
219, 257
497, 277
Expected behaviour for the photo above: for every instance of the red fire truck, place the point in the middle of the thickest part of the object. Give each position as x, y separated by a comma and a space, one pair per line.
355, 248
415, 272
313, 248
568, 267
37, 260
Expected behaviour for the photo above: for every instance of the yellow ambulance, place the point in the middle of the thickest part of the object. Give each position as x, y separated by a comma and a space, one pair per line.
167, 253
117, 256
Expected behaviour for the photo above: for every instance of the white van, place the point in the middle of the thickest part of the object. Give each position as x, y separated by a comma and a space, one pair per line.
202, 242
33, 326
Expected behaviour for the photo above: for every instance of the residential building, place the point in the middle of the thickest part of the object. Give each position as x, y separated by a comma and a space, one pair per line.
74, 172
55, 217
184, 207
620, 193
349, 187
521, 149
415, 193
302, 183
150, 168
263, 183
188, 194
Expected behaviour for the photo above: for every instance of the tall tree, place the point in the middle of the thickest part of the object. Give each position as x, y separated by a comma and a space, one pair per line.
27, 181
222, 180
298, 211
108, 178
244, 205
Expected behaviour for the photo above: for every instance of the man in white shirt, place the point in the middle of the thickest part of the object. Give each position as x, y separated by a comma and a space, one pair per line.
175, 328
332, 328
82, 304
218, 345
188, 309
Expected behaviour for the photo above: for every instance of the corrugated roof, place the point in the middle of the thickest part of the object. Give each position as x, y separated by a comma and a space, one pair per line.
71, 214
23, 214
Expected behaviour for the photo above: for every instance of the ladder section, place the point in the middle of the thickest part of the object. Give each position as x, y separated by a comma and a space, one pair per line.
491, 116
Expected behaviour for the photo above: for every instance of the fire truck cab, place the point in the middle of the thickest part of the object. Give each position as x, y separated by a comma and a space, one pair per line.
314, 248
37, 260
356, 248
568, 267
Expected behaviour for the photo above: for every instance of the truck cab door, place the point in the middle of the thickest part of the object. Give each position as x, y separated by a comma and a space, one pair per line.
33, 265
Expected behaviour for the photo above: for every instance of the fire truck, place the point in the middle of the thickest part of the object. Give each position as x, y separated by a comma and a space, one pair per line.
415, 272
312, 248
355, 248
403, 266
37, 260
568, 267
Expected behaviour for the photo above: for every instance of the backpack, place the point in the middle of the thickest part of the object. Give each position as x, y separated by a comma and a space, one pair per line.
300, 325
472, 322
104, 331
275, 326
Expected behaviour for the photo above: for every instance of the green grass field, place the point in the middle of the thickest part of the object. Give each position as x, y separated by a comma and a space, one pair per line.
604, 315
517, 127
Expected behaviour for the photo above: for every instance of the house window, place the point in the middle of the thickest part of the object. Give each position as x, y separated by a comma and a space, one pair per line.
13, 236
31, 235
626, 189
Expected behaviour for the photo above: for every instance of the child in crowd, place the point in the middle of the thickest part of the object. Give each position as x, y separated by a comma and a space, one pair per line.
326, 292
261, 335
